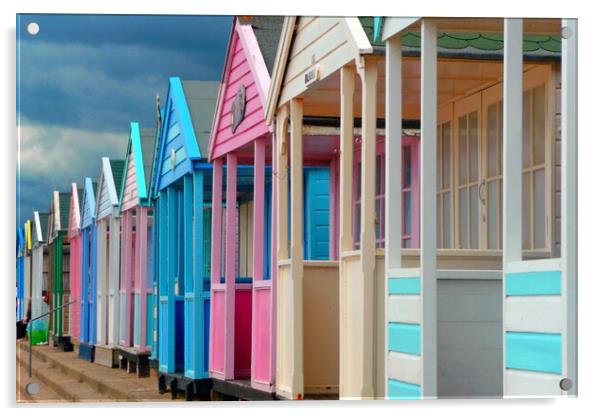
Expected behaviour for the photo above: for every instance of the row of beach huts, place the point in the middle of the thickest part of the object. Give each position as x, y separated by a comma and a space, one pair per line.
340, 217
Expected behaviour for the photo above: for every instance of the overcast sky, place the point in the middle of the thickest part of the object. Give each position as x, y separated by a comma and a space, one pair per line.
83, 78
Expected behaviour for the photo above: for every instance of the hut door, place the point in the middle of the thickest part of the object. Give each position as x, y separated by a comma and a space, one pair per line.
317, 213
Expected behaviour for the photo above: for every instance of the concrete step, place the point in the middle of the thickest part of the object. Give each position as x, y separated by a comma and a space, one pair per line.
113, 383
45, 393
56, 383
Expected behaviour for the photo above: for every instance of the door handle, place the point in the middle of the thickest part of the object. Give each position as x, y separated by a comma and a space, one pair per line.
481, 185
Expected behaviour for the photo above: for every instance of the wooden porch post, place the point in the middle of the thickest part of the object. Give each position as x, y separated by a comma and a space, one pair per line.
186, 280
115, 238
258, 209
393, 108
198, 272
170, 254
569, 210
230, 254
273, 256
141, 270
512, 151
367, 358
297, 244
258, 233
345, 222
346, 160
393, 229
428, 204
282, 251
129, 278
101, 283
216, 236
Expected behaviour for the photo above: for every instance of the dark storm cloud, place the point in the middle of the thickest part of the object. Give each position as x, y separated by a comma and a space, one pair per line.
82, 79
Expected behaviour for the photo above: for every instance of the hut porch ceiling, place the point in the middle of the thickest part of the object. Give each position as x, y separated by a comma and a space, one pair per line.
456, 78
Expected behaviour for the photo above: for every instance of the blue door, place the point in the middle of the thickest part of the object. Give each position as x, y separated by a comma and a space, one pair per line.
317, 213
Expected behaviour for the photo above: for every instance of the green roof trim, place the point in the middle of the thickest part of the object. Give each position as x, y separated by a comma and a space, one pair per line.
459, 41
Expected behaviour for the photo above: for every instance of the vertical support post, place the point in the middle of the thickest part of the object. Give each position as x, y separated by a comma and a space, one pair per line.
366, 284
258, 234
93, 283
171, 255
296, 108
346, 160
393, 115
101, 283
216, 221
126, 238
83, 323
115, 238
216, 237
345, 222
141, 270
513, 133
198, 275
231, 165
282, 251
428, 218
258, 208
273, 256
569, 211
512, 152
129, 282
186, 280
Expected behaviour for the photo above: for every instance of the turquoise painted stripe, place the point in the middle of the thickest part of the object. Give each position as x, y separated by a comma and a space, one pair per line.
534, 352
404, 338
533, 283
404, 286
399, 390
136, 319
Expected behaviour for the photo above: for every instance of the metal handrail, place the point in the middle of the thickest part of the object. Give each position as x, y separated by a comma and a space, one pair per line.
39, 317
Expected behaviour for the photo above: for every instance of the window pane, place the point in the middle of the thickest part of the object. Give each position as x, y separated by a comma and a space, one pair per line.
439, 222
447, 220
539, 125
462, 151
463, 218
474, 216
527, 211
539, 192
492, 215
407, 166
474, 146
527, 129
492, 140
407, 213
447, 155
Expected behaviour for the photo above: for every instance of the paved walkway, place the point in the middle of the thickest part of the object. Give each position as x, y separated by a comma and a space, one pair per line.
64, 377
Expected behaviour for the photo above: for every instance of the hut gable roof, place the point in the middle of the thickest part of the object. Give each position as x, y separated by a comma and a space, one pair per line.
74, 211
249, 60
40, 222
307, 43
185, 129
89, 203
106, 194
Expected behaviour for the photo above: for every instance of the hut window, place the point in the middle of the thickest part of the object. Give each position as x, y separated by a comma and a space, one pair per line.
469, 169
